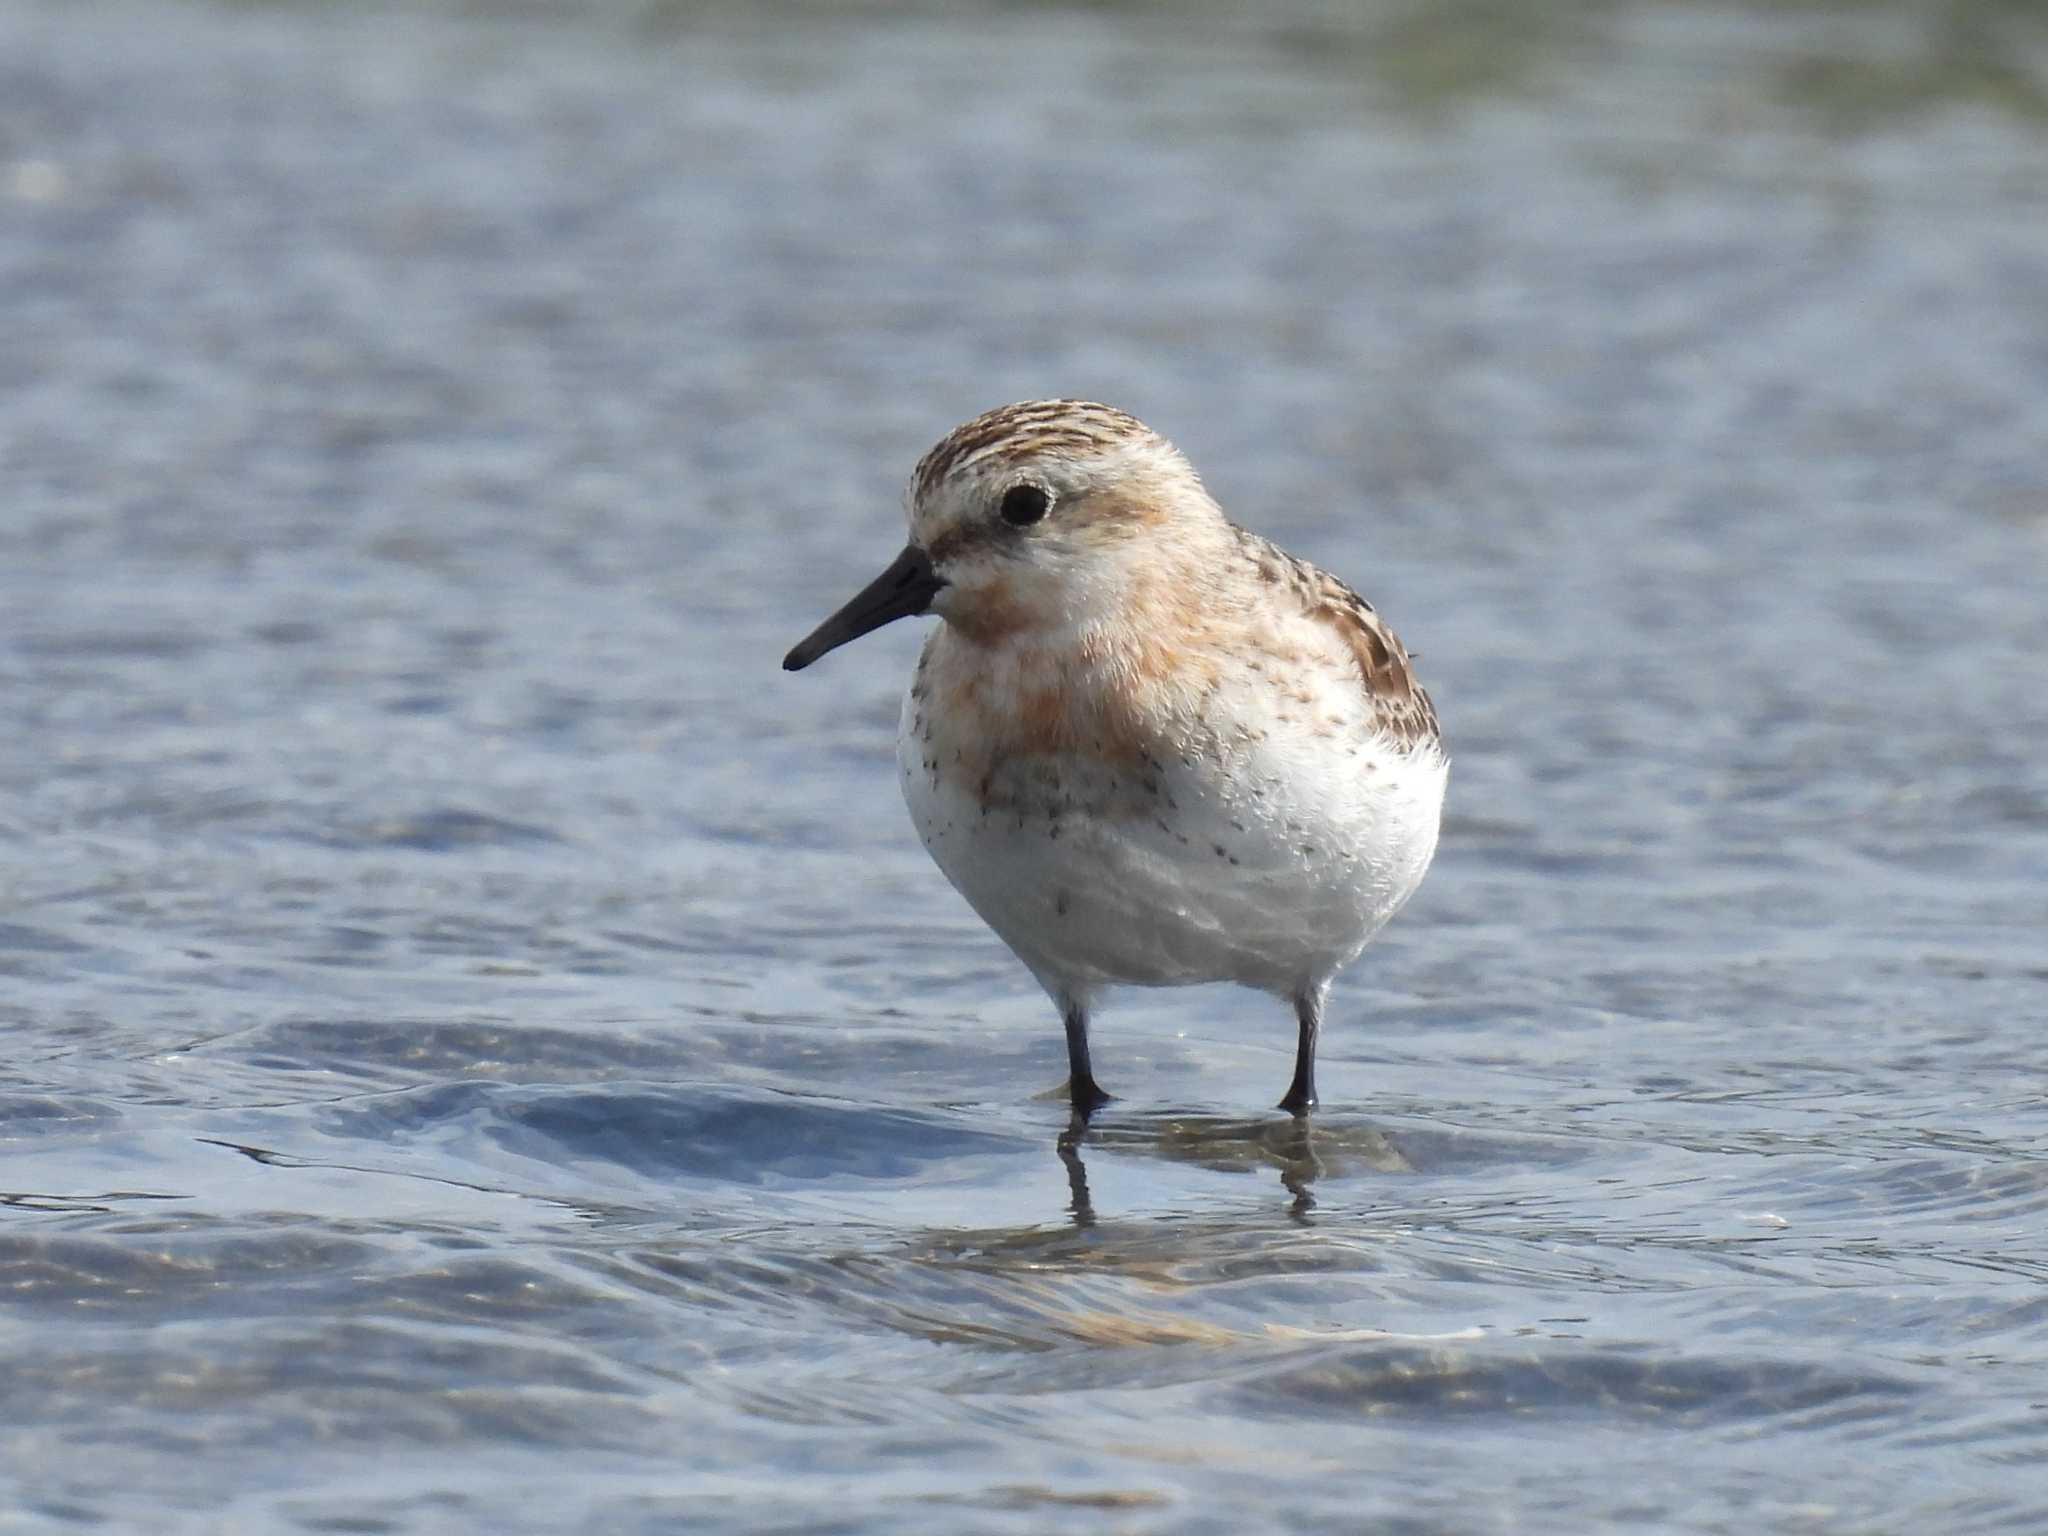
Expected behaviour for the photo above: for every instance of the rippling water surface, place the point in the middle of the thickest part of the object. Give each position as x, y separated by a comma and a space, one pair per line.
484, 1050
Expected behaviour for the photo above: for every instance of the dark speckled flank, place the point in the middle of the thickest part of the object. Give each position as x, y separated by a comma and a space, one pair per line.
1026, 428
1401, 705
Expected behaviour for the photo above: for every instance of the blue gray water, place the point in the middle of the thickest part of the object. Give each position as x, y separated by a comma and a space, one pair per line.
483, 1049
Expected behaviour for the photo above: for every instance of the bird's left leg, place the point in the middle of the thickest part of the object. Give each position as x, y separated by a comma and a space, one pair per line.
1308, 1011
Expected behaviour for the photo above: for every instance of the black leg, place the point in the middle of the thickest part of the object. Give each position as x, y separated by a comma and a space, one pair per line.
1081, 1086
1301, 1093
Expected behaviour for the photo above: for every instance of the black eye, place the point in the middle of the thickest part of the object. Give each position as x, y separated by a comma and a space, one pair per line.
1024, 505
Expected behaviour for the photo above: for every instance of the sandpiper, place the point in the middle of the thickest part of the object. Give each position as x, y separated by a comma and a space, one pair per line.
1148, 746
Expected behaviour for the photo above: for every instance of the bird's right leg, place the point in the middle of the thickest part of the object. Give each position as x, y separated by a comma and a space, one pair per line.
1082, 1089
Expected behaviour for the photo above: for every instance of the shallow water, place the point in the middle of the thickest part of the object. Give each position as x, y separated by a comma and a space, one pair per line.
483, 1049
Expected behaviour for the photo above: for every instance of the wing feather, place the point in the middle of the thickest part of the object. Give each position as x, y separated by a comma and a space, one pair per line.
1401, 705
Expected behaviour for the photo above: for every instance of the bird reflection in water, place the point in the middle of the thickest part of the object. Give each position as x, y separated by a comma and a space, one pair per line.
1301, 1149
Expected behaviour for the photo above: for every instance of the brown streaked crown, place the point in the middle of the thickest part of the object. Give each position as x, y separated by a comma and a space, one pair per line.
1013, 432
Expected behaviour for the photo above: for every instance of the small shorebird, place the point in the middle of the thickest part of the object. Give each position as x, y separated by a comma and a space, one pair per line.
1148, 746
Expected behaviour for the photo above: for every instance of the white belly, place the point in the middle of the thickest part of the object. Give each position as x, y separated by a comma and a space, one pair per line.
1270, 864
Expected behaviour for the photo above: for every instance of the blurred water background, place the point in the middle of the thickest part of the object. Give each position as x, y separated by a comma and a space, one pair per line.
483, 1050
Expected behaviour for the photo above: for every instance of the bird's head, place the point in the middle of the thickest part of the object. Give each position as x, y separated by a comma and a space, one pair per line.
1032, 517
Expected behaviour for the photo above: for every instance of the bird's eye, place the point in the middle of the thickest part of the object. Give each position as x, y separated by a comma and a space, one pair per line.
1024, 505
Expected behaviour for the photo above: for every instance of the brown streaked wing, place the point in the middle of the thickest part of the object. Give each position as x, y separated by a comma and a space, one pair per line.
1401, 704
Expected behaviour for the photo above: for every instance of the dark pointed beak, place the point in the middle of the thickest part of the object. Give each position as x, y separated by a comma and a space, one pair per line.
907, 587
